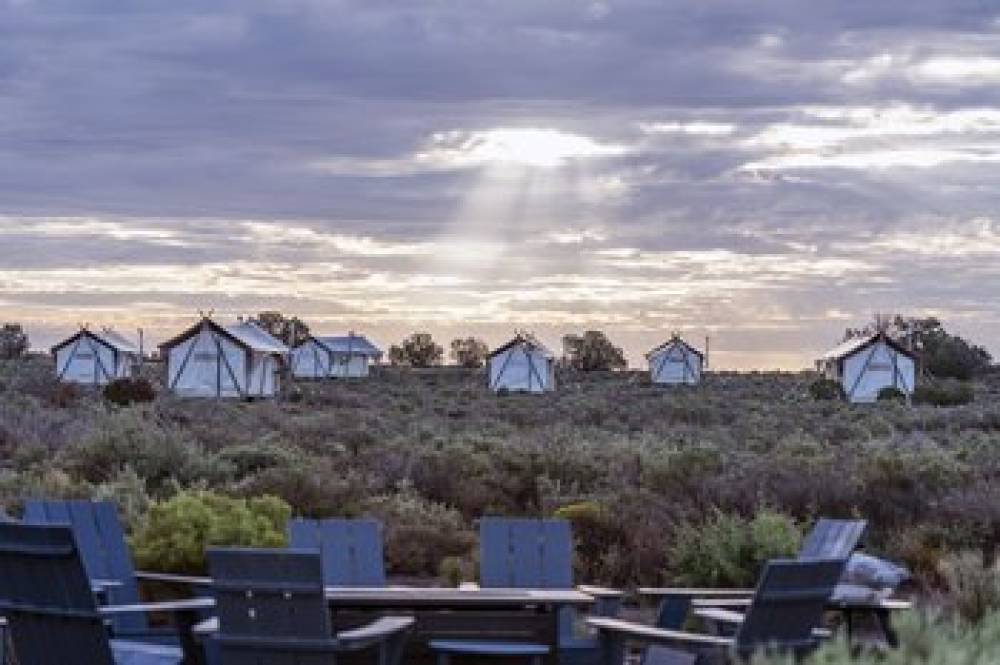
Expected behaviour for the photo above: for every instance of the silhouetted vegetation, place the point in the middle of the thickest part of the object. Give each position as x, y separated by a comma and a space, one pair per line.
592, 351
418, 350
469, 352
13, 341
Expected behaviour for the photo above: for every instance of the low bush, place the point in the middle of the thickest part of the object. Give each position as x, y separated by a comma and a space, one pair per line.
177, 532
973, 590
826, 389
420, 534
125, 392
924, 640
891, 394
944, 393
729, 550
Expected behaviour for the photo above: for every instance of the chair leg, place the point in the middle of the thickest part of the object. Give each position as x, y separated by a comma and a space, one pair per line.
536, 660
442, 658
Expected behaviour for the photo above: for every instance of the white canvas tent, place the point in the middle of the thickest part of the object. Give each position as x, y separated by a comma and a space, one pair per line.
207, 360
334, 357
675, 362
522, 365
865, 365
95, 358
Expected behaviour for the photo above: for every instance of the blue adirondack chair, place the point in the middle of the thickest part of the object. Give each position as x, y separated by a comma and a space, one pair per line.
828, 539
106, 557
272, 609
350, 549
51, 614
784, 615
526, 553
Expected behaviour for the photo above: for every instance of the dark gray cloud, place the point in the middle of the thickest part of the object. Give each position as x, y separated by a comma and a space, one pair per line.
771, 171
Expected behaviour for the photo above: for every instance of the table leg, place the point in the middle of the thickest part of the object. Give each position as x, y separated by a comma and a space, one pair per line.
673, 612
885, 623
185, 623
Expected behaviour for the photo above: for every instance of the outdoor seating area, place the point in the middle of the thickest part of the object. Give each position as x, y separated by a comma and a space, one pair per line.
69, 594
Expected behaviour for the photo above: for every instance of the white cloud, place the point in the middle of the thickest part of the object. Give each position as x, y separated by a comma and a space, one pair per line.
698, 128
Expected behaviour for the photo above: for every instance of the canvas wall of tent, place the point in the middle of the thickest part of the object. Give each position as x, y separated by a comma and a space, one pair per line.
334, 357
522, 365
95, 358
208, 360
675, 362
867, 364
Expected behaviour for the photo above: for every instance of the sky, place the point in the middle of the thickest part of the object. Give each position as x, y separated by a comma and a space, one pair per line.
764, 173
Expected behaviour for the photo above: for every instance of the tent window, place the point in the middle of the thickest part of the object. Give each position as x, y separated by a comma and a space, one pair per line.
205, 357
84, 356
880, 367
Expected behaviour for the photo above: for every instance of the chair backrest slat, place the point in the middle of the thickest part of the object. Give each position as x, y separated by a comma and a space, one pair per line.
46, 598
103, 549
833, 539
788, 605
351, 549
525, 553
271, 606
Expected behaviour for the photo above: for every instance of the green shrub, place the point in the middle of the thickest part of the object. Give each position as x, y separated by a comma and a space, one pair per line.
176, 532
974, 591
125, 392
420, 533
923, 640
826, 389
891, 394
729, 550
944, 393
161, 454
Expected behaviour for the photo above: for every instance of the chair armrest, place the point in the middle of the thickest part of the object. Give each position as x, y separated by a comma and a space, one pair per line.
738, 603
600, 591
170, 607
693, 592
376, 632
189, 580
207, 627
646, 633
719, 615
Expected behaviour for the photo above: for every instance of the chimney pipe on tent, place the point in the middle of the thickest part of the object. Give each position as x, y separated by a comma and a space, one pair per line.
707, 340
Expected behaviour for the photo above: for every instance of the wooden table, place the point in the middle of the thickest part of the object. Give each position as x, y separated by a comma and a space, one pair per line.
515, 615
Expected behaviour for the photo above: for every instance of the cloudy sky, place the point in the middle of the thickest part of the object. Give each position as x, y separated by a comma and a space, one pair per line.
766, 173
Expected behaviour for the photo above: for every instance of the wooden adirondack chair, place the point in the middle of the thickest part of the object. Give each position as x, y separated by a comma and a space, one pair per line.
106, 557
46, 598
350, 549
525, 553
272, 609
785, 615
828, 539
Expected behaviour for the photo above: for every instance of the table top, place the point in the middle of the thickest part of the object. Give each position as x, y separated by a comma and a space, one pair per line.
451, 597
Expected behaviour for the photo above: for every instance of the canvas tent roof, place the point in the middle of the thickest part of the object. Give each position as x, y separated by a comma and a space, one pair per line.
851, 346
254, 337
108, 337
676, 339
245, 334
523, 338
356, 344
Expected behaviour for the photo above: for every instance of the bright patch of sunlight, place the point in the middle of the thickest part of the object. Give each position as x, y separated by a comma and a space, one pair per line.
528, 147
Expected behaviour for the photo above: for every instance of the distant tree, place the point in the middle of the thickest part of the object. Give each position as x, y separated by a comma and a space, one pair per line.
13, 341
592, 351
943, 355
417, 350
469, 352
289, 330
